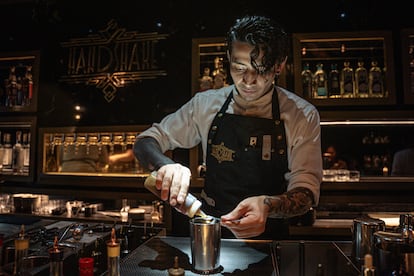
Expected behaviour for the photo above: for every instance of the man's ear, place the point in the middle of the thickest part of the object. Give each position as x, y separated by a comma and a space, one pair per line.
279, 67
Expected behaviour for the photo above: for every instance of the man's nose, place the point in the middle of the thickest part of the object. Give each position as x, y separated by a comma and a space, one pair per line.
250, 77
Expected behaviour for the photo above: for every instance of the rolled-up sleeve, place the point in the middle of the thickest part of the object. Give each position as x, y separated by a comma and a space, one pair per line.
304, 149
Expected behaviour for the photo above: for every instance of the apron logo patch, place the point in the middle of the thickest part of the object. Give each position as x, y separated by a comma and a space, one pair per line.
222, 153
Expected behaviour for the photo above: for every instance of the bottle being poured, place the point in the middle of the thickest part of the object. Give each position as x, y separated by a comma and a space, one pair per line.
191, 206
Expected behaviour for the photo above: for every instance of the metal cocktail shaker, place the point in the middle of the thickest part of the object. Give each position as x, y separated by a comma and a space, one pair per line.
205, 236
363, 241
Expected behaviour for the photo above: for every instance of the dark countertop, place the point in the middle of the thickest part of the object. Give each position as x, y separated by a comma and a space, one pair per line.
244, 257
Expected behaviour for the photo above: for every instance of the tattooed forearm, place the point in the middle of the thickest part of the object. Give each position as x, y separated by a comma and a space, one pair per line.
292, 203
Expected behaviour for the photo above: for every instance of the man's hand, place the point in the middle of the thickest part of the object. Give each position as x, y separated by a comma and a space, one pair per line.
173, 180
248, 219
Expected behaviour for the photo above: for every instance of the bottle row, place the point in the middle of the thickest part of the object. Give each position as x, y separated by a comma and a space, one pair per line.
18, 87
90, 152
113, 140
349, 81
15, 153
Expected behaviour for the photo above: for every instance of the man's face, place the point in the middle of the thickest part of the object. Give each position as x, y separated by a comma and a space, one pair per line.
249, 83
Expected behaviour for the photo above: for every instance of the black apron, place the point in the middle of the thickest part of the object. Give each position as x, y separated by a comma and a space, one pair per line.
246, 156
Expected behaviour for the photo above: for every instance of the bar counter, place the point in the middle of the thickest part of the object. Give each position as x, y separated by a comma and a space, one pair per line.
245, 257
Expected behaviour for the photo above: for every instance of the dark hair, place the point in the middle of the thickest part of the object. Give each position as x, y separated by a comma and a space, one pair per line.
265, 35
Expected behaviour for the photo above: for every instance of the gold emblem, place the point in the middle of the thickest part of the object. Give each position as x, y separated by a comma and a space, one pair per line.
222, 153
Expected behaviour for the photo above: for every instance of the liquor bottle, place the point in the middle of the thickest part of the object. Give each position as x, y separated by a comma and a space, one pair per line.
307, 78
19, 91
320, 82
347, 81
361, 79
113, 255
13, 87
191, 207
334, 87
5, 96
118, 147
55, 259
376, 87
81, 147
18, 154
26, 153
1, 156
412, 72
28, 80
124, 210
384, 81
8, 154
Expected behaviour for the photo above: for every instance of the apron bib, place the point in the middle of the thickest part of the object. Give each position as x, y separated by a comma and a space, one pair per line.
246, 156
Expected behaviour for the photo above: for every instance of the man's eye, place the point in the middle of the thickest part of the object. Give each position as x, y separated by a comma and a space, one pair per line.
239, 68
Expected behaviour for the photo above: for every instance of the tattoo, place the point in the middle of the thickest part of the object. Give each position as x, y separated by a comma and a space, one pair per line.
292, 203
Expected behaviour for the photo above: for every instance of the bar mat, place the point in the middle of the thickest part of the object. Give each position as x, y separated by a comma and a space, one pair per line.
237, 257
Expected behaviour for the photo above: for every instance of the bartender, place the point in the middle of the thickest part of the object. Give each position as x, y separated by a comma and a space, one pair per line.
261, 143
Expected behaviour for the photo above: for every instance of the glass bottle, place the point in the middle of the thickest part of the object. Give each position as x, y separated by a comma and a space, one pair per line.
412, 71
1, 154
105, 143
307, 77
361, 79
19, 91
334, 86
376, 86
69, 143
28, 80
55, 260
81, 145
26, 152
8, 154
92, 143
191, 206
11, 98
124, 210
320, 82
347, 81
113, 255
18, 154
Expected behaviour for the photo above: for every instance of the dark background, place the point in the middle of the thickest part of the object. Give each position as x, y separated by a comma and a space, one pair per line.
43, 24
